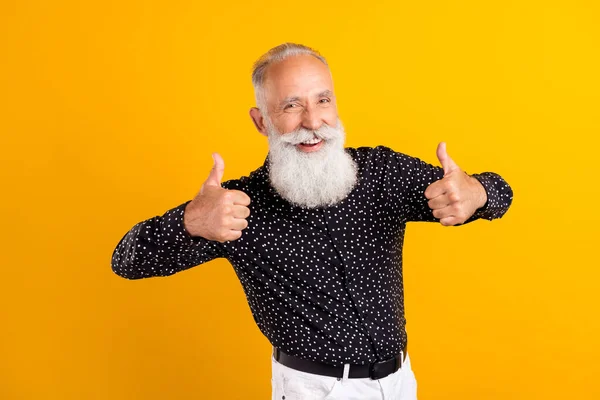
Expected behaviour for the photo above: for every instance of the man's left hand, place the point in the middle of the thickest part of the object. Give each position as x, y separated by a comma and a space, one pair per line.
455, 197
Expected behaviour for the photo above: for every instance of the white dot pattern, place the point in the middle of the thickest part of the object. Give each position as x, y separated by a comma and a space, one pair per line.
325, 283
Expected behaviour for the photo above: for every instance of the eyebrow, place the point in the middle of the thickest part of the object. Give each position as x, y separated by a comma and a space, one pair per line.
290, 99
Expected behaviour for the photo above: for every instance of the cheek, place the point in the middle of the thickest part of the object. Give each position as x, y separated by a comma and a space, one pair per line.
330, 116
288, 123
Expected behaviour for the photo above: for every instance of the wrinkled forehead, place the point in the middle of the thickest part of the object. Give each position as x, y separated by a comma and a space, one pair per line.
301, 76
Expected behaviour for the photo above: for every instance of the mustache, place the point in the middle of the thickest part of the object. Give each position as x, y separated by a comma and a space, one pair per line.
300, 135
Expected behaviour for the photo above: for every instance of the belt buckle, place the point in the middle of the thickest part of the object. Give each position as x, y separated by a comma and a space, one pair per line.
377, 370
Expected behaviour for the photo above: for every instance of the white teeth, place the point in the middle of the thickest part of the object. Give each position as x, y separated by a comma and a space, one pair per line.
312, 141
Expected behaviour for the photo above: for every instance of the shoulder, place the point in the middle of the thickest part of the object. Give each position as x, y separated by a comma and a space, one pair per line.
376, 155
246, 182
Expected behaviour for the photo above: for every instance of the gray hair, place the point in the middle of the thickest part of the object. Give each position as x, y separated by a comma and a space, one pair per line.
276, 54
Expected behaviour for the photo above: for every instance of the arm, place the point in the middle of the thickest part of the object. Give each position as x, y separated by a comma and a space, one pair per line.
161, 246
419, 186
187, 235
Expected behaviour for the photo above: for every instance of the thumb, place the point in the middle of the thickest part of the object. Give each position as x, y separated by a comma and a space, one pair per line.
216, 173
447, 163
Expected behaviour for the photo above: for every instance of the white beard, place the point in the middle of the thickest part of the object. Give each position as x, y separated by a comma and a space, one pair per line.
316, 179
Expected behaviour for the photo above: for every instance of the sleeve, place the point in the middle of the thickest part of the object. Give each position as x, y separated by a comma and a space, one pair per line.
408, 177
499, 196
160, 246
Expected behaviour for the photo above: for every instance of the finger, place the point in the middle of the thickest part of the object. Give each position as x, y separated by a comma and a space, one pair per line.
447, 163
439, 202
216, 173
240, 211
233, 235
240, 198
445, 212
450, 221
238, 224
436, 189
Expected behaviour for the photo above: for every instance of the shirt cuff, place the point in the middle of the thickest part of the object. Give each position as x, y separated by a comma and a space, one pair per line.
492, 208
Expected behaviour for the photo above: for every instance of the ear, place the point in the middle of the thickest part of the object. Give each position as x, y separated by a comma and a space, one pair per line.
258, 120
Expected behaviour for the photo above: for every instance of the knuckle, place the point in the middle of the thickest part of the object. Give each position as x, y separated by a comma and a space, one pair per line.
227, 196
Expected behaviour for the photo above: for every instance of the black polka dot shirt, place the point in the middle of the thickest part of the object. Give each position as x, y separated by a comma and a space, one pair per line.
324, 283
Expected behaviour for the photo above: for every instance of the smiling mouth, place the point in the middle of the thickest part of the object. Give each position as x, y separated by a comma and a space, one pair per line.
311, 142
310, 146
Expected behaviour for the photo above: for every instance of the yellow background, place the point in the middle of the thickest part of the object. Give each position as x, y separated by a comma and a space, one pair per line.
109, 111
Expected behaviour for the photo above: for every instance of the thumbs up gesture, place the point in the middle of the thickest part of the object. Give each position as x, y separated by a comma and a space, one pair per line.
455, 197
216, 213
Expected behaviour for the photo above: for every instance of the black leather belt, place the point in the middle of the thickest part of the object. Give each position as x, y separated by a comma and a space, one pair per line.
375, 370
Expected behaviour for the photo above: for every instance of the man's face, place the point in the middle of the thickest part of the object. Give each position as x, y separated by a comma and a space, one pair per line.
309, 166
299, 94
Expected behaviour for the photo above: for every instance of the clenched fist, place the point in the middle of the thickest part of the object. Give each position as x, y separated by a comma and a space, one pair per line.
217, 213
456, 196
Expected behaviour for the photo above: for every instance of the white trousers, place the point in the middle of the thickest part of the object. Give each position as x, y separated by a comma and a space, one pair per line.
291, 384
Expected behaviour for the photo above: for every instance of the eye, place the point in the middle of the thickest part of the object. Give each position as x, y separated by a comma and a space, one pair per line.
324, 101
291, 105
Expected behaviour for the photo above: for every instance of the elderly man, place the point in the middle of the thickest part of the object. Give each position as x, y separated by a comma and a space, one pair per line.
315, 236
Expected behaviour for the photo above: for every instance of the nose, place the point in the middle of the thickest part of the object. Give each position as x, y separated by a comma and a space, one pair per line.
311, 118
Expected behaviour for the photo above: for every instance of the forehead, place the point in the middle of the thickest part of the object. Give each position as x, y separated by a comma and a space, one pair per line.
301, 75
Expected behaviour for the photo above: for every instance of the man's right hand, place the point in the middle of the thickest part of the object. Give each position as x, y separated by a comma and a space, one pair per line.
216, 213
